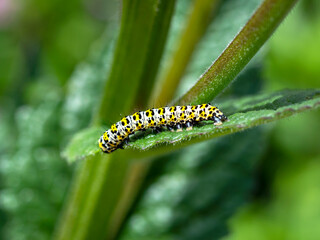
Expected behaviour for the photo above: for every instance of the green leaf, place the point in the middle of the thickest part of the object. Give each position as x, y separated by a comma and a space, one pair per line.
83, 144
243, 113
223, 177
200, 187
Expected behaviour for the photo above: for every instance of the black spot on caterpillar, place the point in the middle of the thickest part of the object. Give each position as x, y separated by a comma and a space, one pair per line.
170, 117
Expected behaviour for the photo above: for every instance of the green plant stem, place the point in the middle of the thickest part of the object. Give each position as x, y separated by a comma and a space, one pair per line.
89, 208
95, 209
202, 12
157, 41
134, 179
144, 27
235, 57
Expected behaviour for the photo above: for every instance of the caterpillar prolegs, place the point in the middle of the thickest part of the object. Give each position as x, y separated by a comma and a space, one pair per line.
174, 117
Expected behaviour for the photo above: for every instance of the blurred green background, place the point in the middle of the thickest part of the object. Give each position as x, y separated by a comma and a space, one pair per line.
46, 50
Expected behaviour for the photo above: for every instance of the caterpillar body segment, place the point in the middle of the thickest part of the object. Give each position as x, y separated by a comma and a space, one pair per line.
175, 117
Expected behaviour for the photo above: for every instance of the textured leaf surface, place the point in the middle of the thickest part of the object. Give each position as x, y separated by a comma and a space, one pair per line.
243, 113
199, 189
218, 185
84, 143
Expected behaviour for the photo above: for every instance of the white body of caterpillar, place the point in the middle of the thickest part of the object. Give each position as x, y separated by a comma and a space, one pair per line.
175, 117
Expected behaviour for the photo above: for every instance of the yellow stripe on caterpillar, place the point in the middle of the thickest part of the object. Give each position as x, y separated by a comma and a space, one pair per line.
175, 117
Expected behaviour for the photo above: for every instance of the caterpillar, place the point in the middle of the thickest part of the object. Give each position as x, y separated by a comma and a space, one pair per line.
174, 117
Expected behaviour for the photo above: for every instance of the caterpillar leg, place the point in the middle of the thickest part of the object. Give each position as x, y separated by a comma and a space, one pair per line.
157, 129
179, 127
124, 142
217, 121
189, 126
121, 145
224, 118
170, 128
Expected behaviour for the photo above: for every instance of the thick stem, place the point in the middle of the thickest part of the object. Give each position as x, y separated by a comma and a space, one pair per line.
92, 210
235, 57
202, 12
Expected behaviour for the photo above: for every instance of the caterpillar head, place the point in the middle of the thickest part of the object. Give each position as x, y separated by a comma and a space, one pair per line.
223, 118
218, 118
